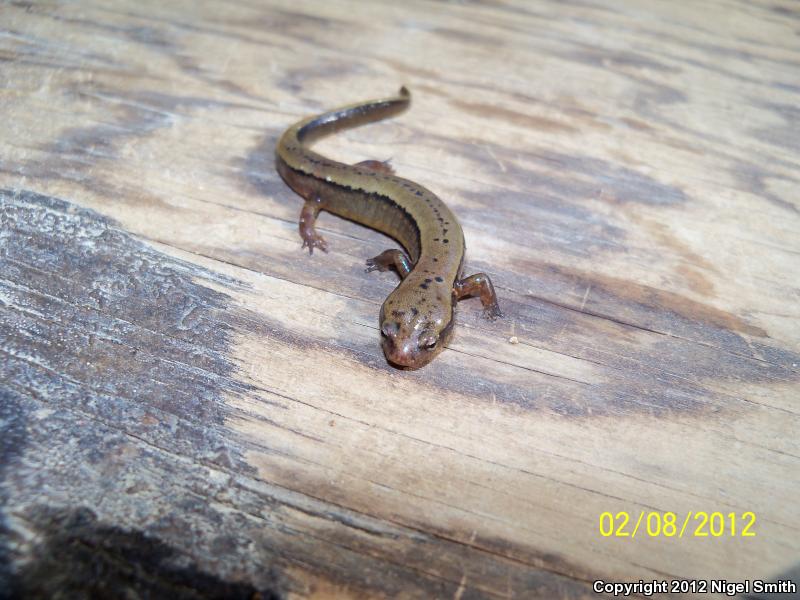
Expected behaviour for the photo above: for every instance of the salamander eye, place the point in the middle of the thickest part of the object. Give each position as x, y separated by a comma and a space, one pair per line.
390, 329
428, 341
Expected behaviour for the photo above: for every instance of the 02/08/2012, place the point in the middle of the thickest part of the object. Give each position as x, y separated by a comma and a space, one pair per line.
667, 524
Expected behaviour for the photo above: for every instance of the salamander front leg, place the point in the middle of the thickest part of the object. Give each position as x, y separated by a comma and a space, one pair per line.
381, 166
479, 284
308, 216
388, 259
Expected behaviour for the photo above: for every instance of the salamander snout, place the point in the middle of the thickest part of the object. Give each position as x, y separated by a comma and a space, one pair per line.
408, 347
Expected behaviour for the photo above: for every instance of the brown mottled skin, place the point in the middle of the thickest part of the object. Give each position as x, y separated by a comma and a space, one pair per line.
417, 318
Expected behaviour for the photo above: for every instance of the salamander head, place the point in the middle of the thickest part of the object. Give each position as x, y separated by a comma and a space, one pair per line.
415, 328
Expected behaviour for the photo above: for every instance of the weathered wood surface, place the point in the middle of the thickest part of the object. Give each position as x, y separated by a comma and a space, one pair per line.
191, 406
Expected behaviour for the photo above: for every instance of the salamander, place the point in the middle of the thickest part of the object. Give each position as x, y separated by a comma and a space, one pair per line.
416, 319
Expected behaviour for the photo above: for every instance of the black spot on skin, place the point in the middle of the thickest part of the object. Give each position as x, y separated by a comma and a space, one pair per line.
444, 231
428, 280
439, 279
435, 260
446, 241
435, 239
424, 286
414, 311
398, 313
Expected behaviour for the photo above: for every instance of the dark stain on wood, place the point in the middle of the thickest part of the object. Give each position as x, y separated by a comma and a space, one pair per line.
574, 228
497, 567
298, 26
78, 555
417, 71
469, 37
671, 306
519, 119
123, 319
785, 11
580, 176
301, 79
783, 135
13, 435
134, 115
622, 184
13, 440
108, 333
161, 40
637, 124
724, 350
258, 169
615, 60
756, 180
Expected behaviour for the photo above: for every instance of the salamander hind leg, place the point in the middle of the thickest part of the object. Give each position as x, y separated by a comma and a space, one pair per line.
388, 259
381, 166
479, 285
308, 217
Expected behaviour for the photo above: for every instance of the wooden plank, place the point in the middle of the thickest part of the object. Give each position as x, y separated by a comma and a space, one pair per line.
196, 407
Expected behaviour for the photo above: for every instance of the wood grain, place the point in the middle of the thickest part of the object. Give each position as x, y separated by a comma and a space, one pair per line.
193, 407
